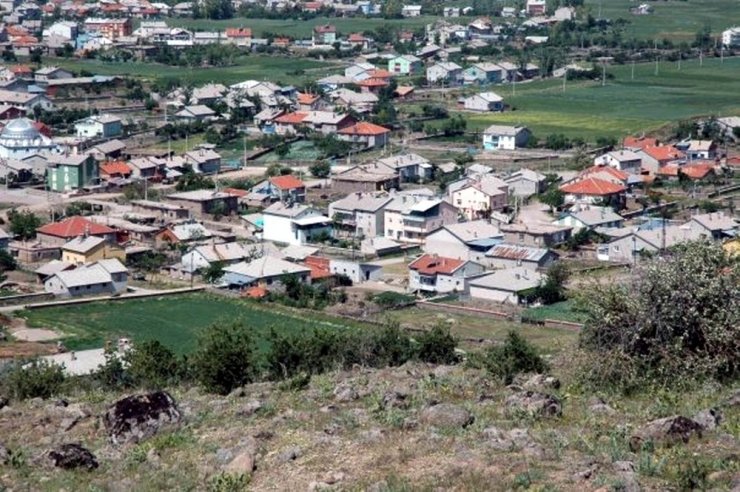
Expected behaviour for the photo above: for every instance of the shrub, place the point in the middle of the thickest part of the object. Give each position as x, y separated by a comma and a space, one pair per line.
677, 320
514, 357
39, 379
392, 299
225, 358
112, 374
152, 365
437, 346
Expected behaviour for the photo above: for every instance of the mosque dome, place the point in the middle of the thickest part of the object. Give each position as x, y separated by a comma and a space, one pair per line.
20, 129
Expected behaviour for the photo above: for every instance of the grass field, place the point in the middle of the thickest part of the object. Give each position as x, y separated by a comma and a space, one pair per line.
278, 69
173, 320
677, 20
302, 29
624, 105
561, 311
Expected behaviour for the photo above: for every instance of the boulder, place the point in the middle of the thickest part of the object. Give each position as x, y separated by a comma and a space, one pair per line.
395, 399
732, 401
244, 462
345, 393
709, 419
541, 381
3, 402
447, 415
72, 456
290, 454
250, 408
599, 406
4, 455
534, 403
137, 417
666, 431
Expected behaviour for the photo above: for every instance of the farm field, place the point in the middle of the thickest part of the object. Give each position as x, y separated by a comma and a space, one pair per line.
274, 68
623, 106
302, 29
173, 320
677, 20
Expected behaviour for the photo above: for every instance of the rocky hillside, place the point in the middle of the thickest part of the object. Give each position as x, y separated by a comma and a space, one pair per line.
412, 427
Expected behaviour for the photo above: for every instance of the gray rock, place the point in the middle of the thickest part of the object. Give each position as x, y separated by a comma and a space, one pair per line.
395, 399
602, 408
447, 415
732, 401
541, 381
224, 455
250, 408
68, 423
666, 431
138, 417
534, 403
333, 429
625, 470
290, 454
372, 435
3, 402
72, 456
409, 423
709, 418
345, 393
4, 455
243, 462
502, 440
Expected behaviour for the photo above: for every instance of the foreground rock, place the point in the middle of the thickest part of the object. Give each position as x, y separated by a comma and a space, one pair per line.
447, 415
534, 403
4, 455
665, 432
709, 419
71, 457
137, 417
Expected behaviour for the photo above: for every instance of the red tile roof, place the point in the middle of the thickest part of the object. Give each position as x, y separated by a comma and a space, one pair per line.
611, 171
433, 265
115, 167
21, 69
356, 38
319, 267
43, 128
733, 161
364, 128
593, 187
663, 153
236, 191
640, 142
291, 118
373, 82
73, 227
404, 90
324, 29
256, 292
287, 182
238, 32
304, 98
379, 73
697, 171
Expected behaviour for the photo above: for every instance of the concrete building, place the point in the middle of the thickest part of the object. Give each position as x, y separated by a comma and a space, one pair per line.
464, 240
359, 214
104, 277
293, 223
438, 274
525, 183
71, 172
505, 286
203, 202
484, 102
501, 137
268, 272
99, 126
21, 139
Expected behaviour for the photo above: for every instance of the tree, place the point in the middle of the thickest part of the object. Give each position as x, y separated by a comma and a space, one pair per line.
23, 224
320, 169
676, 321
515, 356
553, 197
213, 272
39, 379
553, 288
225, 358
152, 365
437, 346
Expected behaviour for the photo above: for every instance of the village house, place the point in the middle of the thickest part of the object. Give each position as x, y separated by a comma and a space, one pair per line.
367, 134
629, 245
536, 7
294, 223
379, 246
479, 196
99, 126
146, 167
182, 233
197, 112
205, 255
326, 122
464, 240
537, 235
590, 218
525, 183
324, 35
71, 172
286, 189
114, 170
111, 29
484, 102
405, 65
88, 249
112, 149
655, 157
25, 101
365, 178
701, 149
409, 167
204, 202
267, 272
239, 36
483, 73
507, 286
359, 71
623, 160
500, 137
359, 214
162, 211
411, 218
204, 159
411, 10
715, 225
308, 102
439, 274
60, 233
46, 74
505, 255
102, 277
592, 191
361, 102
448, 73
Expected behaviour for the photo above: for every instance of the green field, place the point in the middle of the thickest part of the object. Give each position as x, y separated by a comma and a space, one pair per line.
560, 311
278, 69
624, 105
302, 29
678, 20
173, 320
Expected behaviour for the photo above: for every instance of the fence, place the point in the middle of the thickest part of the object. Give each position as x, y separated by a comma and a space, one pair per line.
451, 308
88, 300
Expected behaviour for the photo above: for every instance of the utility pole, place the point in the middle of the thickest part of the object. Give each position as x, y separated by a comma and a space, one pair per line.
603, 74
565, 78
656, 57
701, 58
633, 69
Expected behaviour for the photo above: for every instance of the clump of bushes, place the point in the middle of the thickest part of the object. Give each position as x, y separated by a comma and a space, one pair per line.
515, 356
391, 300
38, 379
677, 322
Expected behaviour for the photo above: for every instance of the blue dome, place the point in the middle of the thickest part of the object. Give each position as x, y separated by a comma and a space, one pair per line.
20, 129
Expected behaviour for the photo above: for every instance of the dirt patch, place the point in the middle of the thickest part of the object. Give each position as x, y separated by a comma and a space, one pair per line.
11, 350
35, 335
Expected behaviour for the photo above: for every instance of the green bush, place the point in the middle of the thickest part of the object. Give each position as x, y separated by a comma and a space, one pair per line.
39, 379
515, 356
437, 346
112, 374
152, 365
225, 358
392, 299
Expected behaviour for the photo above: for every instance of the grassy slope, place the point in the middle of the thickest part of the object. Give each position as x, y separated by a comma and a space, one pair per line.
623, 106
273, 68
674, 19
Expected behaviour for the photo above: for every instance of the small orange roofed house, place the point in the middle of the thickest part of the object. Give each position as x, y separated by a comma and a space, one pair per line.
59, 233
114, 169
639, 143
433, 273
696, 171
656, 156
366, 133
592, 190
308, 102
